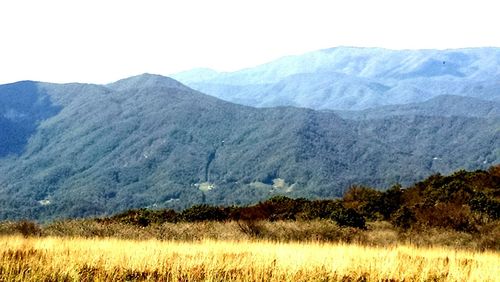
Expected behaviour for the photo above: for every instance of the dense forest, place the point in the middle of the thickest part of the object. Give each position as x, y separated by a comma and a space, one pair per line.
150, 142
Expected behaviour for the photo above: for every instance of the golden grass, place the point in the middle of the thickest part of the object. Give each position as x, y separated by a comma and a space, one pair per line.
379, 234
106, 259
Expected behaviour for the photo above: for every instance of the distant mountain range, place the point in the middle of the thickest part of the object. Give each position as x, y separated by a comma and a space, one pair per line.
72, 150
443, 105
347, 78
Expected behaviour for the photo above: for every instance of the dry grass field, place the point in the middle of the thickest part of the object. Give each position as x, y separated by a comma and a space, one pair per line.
107, 259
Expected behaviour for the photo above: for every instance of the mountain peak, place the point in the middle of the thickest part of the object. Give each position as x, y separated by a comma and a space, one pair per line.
146, 80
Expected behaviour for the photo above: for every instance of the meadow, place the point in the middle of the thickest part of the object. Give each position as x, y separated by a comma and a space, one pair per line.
113, 259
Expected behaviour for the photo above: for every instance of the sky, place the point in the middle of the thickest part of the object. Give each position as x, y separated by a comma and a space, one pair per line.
101, 41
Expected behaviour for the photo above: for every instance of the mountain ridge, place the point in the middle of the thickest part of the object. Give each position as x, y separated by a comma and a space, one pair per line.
407, 76
443, 105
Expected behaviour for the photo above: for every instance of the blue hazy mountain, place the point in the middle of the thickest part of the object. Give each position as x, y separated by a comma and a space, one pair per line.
346, 78
444, 105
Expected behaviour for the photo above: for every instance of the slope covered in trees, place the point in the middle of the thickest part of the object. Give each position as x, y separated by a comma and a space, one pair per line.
149, 141
444, 106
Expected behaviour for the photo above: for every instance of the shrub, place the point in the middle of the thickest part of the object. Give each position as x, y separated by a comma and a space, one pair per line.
250, 228
144, 217
390, 201
319, 209
281, 208
446, 215
204, 212
483, 204
349, 218
364, 200
404, 218
28, 228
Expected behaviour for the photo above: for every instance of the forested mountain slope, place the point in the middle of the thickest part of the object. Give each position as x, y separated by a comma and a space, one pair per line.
71, 150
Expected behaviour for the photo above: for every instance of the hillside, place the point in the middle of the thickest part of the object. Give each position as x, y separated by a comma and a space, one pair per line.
346, 78
444, 105
149, 141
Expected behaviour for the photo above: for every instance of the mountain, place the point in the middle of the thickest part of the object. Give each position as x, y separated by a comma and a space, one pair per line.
72, 150
347, 78
146, 81
444, 105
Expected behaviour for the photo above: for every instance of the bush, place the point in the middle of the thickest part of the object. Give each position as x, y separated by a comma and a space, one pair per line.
404, 218
251, 228
486, 205
320, 209
28, 228
281, 208
204, 212
390, 201
447, 215
364, 200
349, 218
144, 217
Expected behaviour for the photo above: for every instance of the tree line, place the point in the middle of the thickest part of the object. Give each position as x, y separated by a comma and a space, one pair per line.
463, 201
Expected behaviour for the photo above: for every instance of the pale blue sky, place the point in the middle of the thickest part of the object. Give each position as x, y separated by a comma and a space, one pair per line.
102, 41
